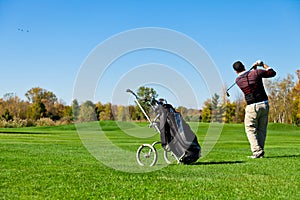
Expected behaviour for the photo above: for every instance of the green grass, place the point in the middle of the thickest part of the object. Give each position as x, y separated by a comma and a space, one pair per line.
52, 163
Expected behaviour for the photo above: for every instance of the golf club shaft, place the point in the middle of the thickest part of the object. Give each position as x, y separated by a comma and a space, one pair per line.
235, 81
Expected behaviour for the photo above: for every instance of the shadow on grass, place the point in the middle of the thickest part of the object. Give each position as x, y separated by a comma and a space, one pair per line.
283, 156
20, 132
217, 163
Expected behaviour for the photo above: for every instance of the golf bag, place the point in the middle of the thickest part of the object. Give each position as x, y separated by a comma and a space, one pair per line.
176, 135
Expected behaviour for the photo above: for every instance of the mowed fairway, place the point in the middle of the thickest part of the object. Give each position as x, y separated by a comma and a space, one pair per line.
52, 163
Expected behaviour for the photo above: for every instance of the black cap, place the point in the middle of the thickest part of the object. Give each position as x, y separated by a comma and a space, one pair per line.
238, 66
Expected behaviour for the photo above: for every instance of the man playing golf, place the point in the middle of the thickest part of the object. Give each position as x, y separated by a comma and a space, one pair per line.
257, 109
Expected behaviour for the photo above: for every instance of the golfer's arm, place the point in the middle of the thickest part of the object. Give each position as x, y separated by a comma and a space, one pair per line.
266, 66
269, 71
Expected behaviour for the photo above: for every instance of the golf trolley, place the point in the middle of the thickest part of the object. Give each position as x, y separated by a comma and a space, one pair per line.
177, 139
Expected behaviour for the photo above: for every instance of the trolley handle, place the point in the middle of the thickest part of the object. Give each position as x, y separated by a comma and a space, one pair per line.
138, 103
130, 91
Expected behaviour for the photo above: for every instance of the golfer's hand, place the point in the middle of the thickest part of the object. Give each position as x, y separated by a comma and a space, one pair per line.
258, 63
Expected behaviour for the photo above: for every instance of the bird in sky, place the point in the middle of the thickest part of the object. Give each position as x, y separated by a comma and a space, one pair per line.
22, 30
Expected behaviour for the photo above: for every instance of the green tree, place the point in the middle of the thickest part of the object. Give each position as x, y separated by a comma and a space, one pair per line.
75, 109
145, 95
37, 110
216, 109
7, 116
68, 112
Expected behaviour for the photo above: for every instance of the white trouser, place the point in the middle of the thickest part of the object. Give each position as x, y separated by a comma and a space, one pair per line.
256, 122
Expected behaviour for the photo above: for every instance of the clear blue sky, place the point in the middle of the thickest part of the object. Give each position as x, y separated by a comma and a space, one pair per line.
44, 43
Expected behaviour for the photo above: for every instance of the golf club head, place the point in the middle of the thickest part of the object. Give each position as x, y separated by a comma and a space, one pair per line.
228, 95
129, 90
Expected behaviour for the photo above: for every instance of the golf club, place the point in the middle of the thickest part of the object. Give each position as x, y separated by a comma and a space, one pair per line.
227, 93
130, 91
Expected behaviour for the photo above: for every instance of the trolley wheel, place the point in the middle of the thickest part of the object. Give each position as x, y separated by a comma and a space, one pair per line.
146, 155
169, 157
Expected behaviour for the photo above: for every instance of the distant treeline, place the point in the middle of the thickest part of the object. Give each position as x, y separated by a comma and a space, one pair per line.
42, 108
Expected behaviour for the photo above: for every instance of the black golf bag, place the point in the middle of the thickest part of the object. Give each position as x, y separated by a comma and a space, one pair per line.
177, 136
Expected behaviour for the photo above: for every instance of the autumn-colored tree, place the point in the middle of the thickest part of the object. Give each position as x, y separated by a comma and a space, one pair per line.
39, 94
206, 111
59, 111
37, 110
284, 97
106, 113
132, 112
230, 112
183, 111
99, 108
42, 102
68, 112
13, 106
296, 101
87, 112
281, 99
122, 114
240, 109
